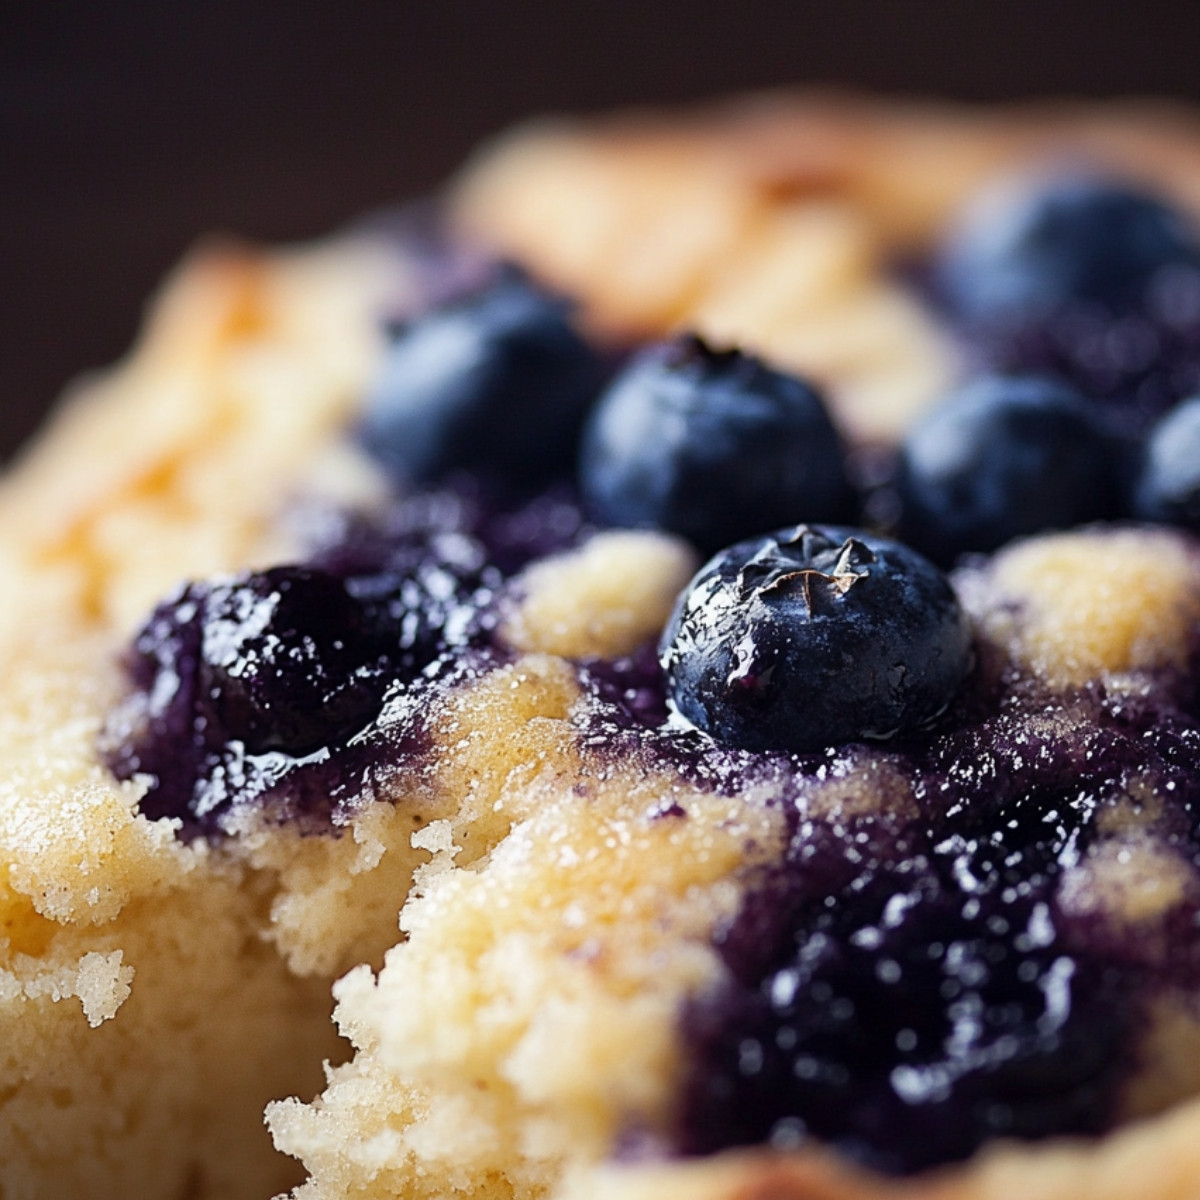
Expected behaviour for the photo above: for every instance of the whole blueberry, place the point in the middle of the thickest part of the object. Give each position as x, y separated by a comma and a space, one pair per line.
288, 660
496, 383
1168, 483
814, 636
284, 660
713, 445
1001, 458
1025, 251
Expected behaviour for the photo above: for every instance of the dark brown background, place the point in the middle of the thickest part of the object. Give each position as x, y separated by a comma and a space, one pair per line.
127, 129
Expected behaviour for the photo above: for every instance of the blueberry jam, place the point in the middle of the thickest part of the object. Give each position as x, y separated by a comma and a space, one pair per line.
293, 688
906, 1027
907, 986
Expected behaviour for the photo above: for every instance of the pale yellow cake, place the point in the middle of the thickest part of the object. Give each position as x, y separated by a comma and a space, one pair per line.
505, 936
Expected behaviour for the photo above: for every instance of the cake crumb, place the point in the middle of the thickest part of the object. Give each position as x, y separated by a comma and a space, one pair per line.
1097, 602
103, 985
438, 838
602, 600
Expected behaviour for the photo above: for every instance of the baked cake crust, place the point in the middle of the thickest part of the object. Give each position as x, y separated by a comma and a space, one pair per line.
519, 1027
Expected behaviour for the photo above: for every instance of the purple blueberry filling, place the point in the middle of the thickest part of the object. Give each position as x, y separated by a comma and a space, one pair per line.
906, 988
908, 1022
244, 687
293, 688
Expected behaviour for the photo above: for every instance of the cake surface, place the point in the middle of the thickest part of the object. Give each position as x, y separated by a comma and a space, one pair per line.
573, 945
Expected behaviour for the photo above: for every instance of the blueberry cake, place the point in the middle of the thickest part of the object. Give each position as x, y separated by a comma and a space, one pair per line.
670, 671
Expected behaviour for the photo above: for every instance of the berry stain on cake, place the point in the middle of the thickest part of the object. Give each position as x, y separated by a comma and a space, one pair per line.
908, 987
293, 689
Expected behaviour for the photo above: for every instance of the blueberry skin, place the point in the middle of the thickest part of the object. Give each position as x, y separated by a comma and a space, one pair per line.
1168, 484
288, 660
1016, 258
814, 636
1003, 457
280, 661
497, 383
713, 445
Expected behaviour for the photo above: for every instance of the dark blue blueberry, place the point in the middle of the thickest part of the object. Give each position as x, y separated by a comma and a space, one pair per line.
496, 383
427, 606
1089, 281
269, 688
814, 636
155, 732
1021, 256
713, 445
284, 662
288, 660
1168, 484
1002, 458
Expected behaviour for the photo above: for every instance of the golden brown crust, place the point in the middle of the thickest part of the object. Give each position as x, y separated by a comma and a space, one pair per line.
176, 463
905, 165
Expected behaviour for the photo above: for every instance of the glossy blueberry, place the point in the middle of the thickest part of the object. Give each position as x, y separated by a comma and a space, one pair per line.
1168, 484
1001, 458
814, 636
425, 607
1025, 252
162, 730
288, 660
283, 662
496, 383
713, 445
265, 688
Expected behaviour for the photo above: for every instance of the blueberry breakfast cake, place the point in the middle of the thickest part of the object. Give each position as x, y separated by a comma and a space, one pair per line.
672, 671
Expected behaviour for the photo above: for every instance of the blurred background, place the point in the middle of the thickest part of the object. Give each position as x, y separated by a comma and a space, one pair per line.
130, 128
